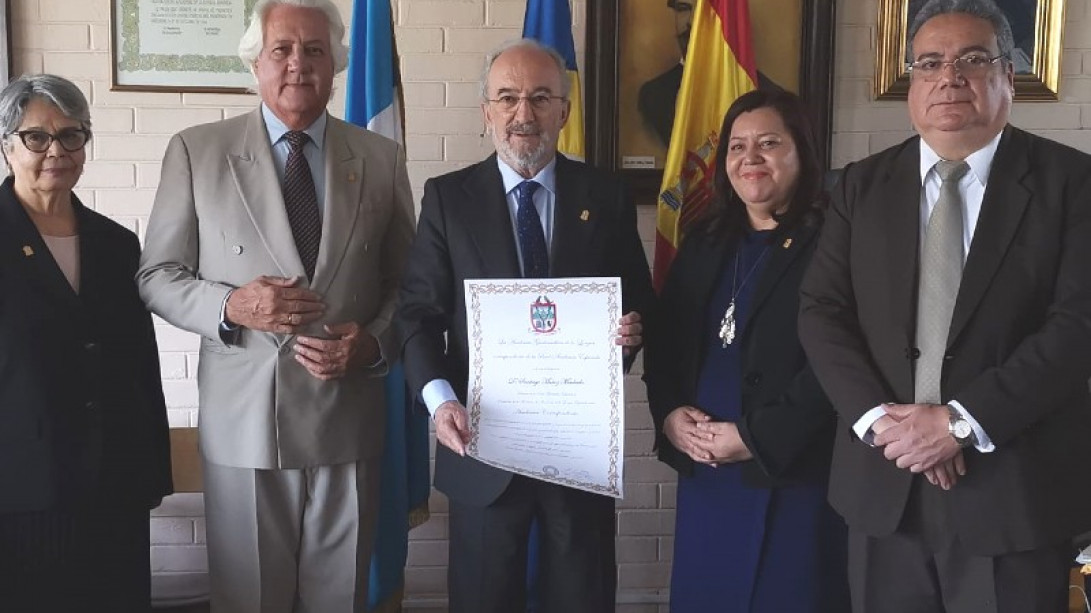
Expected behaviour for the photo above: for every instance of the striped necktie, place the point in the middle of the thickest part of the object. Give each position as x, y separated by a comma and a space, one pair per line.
301, 202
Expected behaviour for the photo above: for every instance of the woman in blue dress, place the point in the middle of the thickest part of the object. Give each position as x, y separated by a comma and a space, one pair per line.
738, 412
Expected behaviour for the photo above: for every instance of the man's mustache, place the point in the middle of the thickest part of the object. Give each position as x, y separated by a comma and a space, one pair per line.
524, 129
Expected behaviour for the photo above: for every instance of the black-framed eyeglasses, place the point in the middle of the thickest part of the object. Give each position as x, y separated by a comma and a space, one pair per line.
538, 102
970, 66
39, 141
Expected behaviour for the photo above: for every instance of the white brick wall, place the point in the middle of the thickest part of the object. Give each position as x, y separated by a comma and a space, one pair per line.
442, 44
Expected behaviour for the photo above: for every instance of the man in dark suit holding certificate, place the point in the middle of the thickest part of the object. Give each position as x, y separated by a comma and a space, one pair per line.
524, 212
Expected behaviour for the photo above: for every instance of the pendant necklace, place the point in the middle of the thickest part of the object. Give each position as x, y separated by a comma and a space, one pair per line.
727, 324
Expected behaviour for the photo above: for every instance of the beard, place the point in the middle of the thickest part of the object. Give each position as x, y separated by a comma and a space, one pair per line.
525, 158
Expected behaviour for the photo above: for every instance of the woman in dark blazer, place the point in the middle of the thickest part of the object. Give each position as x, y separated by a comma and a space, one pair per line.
738, 412
84, 450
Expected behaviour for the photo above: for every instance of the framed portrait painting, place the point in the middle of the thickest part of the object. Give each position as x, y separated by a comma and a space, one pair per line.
1036, 25
635, 51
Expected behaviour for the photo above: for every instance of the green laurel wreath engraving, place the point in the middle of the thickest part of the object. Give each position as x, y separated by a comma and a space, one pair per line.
132, 60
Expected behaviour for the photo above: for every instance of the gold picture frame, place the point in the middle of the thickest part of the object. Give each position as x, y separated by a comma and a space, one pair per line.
1038, 68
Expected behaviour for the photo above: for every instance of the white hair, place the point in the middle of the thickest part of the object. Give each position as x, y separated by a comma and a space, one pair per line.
252, 40
525, 43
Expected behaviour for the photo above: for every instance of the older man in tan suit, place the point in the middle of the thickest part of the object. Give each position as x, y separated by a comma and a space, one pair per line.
279, 237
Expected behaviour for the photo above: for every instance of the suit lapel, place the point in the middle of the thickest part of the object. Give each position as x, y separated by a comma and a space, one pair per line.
255, 175
711, 253
32, 255
92, 248
1002, 208
343, 206
489, 221
899, 225
781, 255
575, 215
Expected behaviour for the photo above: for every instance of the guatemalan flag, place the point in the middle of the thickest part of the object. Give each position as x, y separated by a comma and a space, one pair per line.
550, 23
373, 100
373, 97
719, 68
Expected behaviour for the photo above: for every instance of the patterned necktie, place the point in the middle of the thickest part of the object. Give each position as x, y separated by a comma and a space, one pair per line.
940, 277
301, 202
531, 237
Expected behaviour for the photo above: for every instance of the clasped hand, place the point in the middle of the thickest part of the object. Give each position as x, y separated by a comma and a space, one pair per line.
917, 437
693, 432
281, 305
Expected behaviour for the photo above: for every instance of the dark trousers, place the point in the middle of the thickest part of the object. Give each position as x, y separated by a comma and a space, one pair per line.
92, 559
486, 571
923, 568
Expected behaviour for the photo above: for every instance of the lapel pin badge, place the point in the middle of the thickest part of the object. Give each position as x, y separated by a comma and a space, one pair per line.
585, 215
787, 243
28, 250
352, 177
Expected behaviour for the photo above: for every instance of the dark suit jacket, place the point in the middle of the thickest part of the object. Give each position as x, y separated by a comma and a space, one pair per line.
465, 232
1019, 349
787, 422
81, 405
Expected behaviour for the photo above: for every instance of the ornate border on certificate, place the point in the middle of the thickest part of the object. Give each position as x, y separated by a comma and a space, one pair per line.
163, 25
609, 287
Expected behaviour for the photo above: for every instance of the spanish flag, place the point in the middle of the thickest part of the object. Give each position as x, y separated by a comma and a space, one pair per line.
719, 68
550, 23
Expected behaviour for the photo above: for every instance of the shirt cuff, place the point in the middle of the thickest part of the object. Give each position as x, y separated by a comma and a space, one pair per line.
984, 443
435, 393
227, 330
862, 427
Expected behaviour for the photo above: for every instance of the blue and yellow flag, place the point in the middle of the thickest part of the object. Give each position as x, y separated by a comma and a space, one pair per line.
373, 100
550, 23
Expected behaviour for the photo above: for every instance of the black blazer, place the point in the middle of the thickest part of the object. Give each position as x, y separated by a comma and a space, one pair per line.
82, 416
787, 422
465, 232
1018, 353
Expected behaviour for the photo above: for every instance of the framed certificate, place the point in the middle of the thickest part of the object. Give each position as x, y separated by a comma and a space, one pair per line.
545, 395
179, 45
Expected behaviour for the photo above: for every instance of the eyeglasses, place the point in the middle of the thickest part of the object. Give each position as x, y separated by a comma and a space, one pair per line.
538, 102
970, 66
39, 141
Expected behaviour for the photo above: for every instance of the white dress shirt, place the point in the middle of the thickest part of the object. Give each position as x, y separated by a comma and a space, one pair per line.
438, 391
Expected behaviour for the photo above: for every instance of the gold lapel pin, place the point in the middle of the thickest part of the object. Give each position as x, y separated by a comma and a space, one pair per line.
352, 177
28, 250
787, 243
585, 215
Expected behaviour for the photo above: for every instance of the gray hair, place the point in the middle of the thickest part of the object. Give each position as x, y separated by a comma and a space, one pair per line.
982, 9
526, 43
252, 40
58, 91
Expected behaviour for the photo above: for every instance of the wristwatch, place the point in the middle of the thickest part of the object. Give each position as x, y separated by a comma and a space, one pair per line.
960, 429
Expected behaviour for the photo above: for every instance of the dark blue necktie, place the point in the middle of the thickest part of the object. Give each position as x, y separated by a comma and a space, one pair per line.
531, 237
